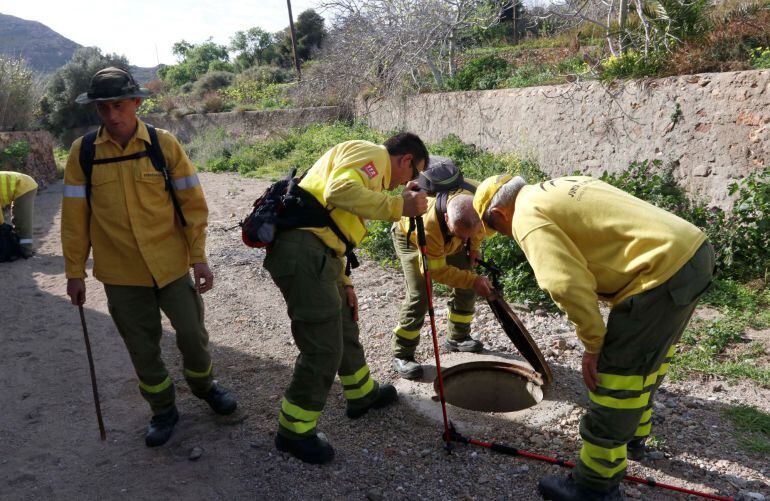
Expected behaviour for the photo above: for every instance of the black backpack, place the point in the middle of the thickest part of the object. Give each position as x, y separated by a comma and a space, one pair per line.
152, 150
10, 249
441, 179
285, 205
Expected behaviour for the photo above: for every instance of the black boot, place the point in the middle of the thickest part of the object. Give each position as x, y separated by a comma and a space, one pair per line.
313, 450
407, 368
386, 395
220, 400
161, 427
637, 449
466, 345
556, 488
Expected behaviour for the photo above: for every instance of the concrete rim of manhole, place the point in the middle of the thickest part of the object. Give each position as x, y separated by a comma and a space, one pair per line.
491, 386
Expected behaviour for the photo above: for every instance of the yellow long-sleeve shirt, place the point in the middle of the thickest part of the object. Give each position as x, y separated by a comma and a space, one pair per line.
438, 247
12, 186
349, 179
588, 240
131, 223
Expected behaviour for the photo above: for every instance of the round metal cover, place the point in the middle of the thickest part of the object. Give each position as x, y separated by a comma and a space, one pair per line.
520, 337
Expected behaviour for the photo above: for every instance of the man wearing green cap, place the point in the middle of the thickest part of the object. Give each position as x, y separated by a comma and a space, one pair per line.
132, 195
453, 234
589, 241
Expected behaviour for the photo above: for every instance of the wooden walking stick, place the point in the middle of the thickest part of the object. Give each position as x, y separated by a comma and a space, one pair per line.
102, 433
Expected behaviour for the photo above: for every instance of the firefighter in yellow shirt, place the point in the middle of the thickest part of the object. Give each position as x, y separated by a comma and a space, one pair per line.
307, 266
143, 213
589, 241
453, 233
18, 191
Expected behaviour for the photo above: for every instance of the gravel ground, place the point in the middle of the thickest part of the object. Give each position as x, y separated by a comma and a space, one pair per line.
49, 447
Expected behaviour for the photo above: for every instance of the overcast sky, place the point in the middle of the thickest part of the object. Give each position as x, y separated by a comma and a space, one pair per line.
136, 28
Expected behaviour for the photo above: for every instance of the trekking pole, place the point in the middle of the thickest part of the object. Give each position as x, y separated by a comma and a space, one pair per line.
102, 433
422, 244
512, 451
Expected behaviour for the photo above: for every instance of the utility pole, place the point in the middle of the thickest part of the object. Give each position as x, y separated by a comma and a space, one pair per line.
293, 41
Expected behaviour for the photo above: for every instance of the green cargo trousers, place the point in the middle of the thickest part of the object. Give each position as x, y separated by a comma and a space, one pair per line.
23, 214
308, 273
642, 332
136, 313
461, 304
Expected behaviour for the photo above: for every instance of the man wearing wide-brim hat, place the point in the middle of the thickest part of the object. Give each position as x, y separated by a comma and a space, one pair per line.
132, 195
588, 241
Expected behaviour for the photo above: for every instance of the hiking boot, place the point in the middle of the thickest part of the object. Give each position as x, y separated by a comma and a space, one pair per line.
407, 368
638, 450
468, 345
313, 450
386, 395
161, 427
27, 251
220, 400
556, 488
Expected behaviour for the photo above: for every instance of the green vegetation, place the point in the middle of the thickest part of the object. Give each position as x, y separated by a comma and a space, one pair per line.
60, 156
752, 428
18, 94
14, 155
58, 110
759, 58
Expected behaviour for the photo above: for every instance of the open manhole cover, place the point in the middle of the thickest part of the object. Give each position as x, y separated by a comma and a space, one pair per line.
488, 386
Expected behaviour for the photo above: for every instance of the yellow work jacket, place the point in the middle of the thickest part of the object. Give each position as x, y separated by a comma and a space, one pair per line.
588, 240
349, 180
12, 186
131, 224
438, 247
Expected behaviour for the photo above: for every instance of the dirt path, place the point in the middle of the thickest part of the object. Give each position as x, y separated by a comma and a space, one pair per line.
49, 446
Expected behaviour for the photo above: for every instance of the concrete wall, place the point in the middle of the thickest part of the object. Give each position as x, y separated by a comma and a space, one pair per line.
40, 163
722, 131
253, 124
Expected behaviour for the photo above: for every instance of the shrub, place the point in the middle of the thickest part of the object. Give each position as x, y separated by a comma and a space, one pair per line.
759, 58
17, 94
266, 75
486, 72
212, 103
630, 64
252, 95
15, 155
211, 82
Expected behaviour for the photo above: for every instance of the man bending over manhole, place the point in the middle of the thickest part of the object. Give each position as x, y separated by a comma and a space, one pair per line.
587, 241
453, 234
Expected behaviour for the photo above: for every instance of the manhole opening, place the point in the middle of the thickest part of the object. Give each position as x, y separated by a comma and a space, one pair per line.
491, 387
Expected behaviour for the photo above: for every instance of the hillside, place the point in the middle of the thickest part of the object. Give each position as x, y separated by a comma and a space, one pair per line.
45, 50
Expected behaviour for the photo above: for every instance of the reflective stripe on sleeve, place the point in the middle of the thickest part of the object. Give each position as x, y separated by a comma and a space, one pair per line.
186, 182
73, 191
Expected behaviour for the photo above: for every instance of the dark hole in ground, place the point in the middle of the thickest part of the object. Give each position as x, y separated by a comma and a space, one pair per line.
491, 387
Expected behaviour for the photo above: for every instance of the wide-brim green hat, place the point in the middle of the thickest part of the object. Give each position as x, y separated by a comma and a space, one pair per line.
111, 84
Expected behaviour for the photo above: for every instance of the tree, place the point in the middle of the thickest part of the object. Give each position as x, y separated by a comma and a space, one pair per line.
18, 94
59, 112
311, 33
195, 60
253, 47
385, 43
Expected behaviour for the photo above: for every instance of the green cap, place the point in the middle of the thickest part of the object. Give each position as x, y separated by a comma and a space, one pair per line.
111, 84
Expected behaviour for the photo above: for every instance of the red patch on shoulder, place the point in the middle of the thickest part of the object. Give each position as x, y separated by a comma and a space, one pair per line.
370, 170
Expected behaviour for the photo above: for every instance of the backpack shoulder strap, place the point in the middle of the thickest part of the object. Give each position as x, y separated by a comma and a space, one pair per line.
86, 157
440, 208
155, 151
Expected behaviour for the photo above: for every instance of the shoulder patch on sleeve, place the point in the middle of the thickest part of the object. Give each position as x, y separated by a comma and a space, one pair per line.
370, 170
